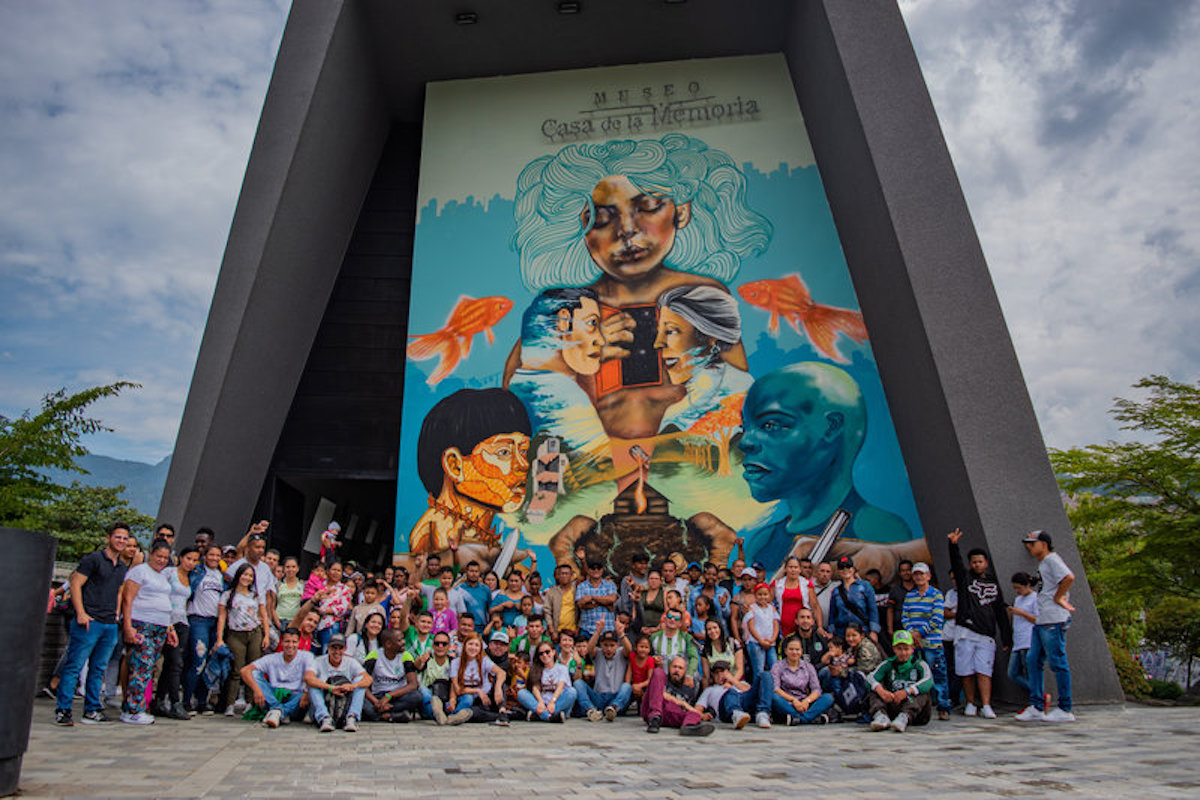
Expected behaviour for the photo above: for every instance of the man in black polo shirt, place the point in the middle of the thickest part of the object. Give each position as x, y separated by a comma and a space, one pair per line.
95, 585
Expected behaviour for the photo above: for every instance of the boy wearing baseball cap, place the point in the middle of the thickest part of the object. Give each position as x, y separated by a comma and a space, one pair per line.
901, 688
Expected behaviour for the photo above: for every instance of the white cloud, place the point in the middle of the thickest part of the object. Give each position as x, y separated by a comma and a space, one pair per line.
124, 134
125, 129
1073, 129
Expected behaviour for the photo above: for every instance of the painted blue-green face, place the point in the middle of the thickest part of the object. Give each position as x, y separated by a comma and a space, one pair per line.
791, 436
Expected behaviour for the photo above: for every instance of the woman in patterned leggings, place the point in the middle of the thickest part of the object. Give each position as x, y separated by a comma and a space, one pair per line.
146, 610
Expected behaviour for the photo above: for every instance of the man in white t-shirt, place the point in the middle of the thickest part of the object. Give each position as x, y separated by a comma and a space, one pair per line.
339, 675
1049, 640
277, 681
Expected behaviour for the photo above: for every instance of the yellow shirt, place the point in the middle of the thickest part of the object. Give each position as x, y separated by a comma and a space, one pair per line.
566, 615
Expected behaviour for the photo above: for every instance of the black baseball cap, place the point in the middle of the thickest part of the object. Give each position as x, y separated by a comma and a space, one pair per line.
1037, 536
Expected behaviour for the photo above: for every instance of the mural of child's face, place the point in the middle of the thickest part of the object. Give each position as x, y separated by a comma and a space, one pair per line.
633, 231
494, 473
680, 344
582, 340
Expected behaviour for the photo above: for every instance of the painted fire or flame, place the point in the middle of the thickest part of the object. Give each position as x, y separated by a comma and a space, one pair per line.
643, 459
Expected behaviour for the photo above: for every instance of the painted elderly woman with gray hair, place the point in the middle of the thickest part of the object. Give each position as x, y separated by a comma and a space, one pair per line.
696, 325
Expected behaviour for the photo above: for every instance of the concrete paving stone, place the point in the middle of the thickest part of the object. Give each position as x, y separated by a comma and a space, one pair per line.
1137, 751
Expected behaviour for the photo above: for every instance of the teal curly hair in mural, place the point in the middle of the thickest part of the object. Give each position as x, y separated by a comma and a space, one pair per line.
553, 192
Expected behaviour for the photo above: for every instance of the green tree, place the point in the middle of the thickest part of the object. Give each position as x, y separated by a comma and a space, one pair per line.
79, 516
1139, 502
50, 438
1174, 624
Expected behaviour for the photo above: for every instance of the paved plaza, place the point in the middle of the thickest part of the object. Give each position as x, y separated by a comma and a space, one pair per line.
1111, 752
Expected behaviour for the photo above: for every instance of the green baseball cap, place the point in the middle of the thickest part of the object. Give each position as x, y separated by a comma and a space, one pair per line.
902, 637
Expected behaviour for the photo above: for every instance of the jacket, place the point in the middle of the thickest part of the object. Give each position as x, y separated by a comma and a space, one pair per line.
861, 598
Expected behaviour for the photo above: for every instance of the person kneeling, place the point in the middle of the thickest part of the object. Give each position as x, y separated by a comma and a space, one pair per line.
669, 701
346, 682
900, 688
277, 681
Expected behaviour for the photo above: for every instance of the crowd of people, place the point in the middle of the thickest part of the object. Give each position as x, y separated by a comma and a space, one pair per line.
205, 630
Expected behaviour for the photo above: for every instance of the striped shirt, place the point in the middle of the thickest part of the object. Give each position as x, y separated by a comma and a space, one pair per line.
924, 613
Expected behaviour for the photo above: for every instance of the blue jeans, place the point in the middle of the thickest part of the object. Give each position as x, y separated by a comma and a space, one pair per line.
936, 659
93, 646
290, 707
316, 697
784, 708
1049, 643
761, 658
463, 701
202, 632
756, 700
1018, 668
589, 698
566, 701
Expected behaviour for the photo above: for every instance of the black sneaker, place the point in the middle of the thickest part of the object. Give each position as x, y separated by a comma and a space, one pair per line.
402, 716
95, 718
822, 720
62, 716
699, 729
654, 724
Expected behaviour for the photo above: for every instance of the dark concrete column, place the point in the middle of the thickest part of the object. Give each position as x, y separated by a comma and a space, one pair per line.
967, 428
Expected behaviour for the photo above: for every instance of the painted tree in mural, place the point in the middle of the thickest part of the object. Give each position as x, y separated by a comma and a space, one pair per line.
722, 424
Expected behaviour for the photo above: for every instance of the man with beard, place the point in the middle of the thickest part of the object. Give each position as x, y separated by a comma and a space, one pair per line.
670, 700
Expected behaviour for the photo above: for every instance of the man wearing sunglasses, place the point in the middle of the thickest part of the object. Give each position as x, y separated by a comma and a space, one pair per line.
673, 641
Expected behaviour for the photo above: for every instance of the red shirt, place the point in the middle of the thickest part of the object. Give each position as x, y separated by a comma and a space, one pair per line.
640, 673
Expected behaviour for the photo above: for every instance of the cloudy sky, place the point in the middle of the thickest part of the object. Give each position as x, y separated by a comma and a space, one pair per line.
125, 129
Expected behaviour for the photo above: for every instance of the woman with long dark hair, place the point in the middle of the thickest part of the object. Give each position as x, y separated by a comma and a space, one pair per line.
242, 625
366, 641
719, 647
548, 694
167, 699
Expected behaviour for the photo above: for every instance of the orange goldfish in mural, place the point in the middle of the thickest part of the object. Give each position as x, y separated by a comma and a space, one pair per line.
789, 298
453, 342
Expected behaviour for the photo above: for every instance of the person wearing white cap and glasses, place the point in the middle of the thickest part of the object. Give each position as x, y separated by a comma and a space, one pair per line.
1049, 640
923, 616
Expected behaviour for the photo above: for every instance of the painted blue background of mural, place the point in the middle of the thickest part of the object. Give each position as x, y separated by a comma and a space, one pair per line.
463, 249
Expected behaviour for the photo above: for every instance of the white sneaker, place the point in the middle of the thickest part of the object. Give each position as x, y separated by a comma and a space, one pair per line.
900, 723
740, 718
351, 725
1031, 714
1058, 715
880, 722
594, 715
239, 706
762, 719
326, 725
987, 713
229, 711
271, 720
141, 718
970, 710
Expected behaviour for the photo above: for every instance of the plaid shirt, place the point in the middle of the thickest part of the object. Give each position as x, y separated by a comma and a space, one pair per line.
589, 618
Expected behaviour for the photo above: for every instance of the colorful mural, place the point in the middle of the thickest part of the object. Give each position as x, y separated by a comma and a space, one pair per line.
645, 397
